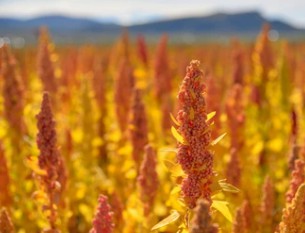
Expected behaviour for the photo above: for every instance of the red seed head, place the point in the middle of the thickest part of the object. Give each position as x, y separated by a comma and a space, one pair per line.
268, 203
12, 92
5, 196
194, 156
263, 52
103, 222
239, 223
49, 158
6, 225
162, 78
298, 177
142, 50
138, 127
233, 173
293, 219
201, 222
45, 63
148, 179
236, 116
124, 85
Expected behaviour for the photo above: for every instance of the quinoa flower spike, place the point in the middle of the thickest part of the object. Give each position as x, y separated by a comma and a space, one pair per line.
193, 154
103, 220
201, 222
148, 179
49, 159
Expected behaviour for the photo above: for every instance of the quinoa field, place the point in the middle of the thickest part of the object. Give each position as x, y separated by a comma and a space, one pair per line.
138, 137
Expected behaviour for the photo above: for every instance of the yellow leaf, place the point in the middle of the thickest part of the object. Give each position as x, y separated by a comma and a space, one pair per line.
174, 119
131, 174
174, 168
222, 207
210, 116
140, 73
32, 163
174, 216
215, 141
77, 135
135, 214
168, 149
258, 147
40, 196
192, 113
80, 191
275, 145
177, 171
178, 136
168, 164
175, 190
193, 94
227, 187
182, 230
86, 211
97, 142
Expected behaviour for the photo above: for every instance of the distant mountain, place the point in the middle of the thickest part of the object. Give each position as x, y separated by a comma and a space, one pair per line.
217, 23
63, 29
60, 23
56, 23
80, 30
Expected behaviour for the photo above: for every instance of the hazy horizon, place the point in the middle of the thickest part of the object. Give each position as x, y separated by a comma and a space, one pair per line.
136, 11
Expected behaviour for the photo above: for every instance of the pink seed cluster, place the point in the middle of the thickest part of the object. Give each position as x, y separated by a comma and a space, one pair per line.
6, 225
46, 140
49, 158
148, 179
124, 85
142, 50
45, 64
5, 195
293, 219
298, 177
193, 155
201, 221
162, 79
13, 91
103, 222
139, 128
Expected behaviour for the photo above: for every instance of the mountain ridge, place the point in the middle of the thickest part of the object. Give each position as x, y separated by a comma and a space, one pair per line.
69, 28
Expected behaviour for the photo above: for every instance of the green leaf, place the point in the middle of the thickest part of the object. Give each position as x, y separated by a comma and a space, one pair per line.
178, 136
174, 119
227, 187
210, 116
222, 207
174, 216
215, 141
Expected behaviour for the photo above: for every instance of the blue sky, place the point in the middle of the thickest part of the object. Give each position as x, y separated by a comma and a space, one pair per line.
130, 11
